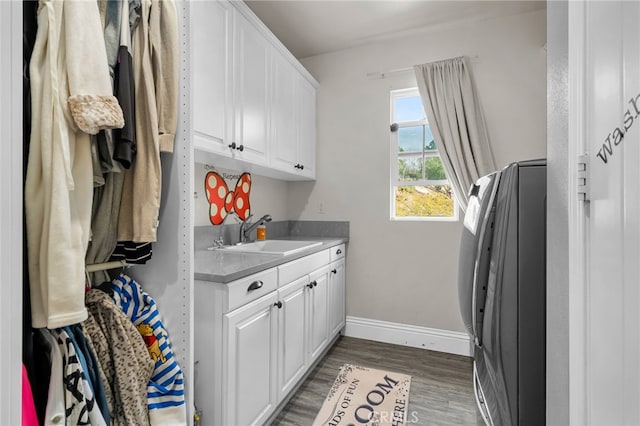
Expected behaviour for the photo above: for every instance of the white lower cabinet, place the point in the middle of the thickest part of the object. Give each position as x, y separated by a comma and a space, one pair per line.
251, 362
292, 329
337, 290
318, 312
257, 337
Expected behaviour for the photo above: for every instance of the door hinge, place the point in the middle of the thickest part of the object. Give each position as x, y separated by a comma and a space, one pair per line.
583, 184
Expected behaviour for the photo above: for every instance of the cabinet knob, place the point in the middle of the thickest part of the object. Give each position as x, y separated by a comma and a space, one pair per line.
278, 304
334, 271
255, 285
297, 166
301, 166
338, 251
315, 283
240, 148
310, 285
232, 145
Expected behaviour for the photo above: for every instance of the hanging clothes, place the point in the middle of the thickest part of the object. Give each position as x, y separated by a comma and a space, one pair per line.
90, 366
121, 143
155, 67
80, 404
124, 89
166, 389
116, 149
55, 411
123, 361
29, 417
39, 367
71, 98
132, 253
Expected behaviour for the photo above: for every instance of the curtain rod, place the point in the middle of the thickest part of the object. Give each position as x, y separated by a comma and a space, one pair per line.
379, 75
107, 265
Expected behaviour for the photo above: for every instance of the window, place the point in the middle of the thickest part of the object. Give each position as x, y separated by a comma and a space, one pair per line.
420, 189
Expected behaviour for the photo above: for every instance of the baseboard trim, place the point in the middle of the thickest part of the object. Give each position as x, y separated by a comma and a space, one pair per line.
452, 342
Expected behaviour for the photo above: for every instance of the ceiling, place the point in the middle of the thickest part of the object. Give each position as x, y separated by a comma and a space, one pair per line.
312, 27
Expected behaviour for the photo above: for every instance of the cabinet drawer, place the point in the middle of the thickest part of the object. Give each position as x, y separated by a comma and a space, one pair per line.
337, 252
295, 269
252, 287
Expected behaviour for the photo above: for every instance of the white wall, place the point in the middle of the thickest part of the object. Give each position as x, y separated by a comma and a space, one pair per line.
406, 272
267, 195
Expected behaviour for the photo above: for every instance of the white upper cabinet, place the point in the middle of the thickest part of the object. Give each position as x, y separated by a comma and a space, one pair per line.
306, 131
253, 103
212, 88
251, 85
293, 120
284, 115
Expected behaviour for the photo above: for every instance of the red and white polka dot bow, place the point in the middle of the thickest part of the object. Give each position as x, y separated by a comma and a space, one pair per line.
222, 201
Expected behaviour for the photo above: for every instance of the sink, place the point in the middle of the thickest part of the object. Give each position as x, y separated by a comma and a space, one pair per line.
279, 247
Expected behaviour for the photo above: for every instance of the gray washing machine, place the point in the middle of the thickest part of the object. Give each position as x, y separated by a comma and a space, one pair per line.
502, 292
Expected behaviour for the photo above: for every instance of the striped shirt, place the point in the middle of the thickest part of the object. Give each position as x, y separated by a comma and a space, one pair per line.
165, 392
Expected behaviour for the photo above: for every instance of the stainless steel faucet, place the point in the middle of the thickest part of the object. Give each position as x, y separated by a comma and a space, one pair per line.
245, 231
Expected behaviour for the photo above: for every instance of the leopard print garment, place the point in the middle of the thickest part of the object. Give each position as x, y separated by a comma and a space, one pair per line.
124, 361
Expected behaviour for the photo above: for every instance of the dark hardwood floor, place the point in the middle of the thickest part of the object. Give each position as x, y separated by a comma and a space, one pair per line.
441, 388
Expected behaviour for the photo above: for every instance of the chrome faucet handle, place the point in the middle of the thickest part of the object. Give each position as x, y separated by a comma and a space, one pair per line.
219, 243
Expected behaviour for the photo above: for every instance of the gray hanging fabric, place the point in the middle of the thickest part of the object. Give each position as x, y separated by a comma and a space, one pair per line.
457, 122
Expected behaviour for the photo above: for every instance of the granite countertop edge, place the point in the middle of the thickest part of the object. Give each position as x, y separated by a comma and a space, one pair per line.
233, 266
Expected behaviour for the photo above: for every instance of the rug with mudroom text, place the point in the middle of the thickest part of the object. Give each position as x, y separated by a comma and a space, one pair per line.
366, 396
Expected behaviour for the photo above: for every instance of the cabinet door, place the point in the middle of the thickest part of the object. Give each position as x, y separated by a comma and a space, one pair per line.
291, 335
317, 312
306, 106
336, 297
284, 115
211, 90
251, 83
250, 363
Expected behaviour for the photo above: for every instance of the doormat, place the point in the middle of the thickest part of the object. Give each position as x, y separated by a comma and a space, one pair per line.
365, 396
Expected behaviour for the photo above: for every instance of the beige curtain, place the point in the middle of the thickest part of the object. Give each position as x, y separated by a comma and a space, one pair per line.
456, 121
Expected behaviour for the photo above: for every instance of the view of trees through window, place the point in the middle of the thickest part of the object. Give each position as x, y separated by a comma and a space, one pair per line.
420, 187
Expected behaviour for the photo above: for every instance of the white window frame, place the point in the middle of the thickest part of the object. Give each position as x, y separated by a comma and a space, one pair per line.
394, 156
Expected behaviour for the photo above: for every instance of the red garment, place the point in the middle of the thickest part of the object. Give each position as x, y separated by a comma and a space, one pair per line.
29, 417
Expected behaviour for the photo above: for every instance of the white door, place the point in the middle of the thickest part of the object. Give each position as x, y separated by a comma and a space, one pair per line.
306, 96
250, 392
284, 138
336, 297
605, 117
291, 335
251, 85
318, 312
212, 84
